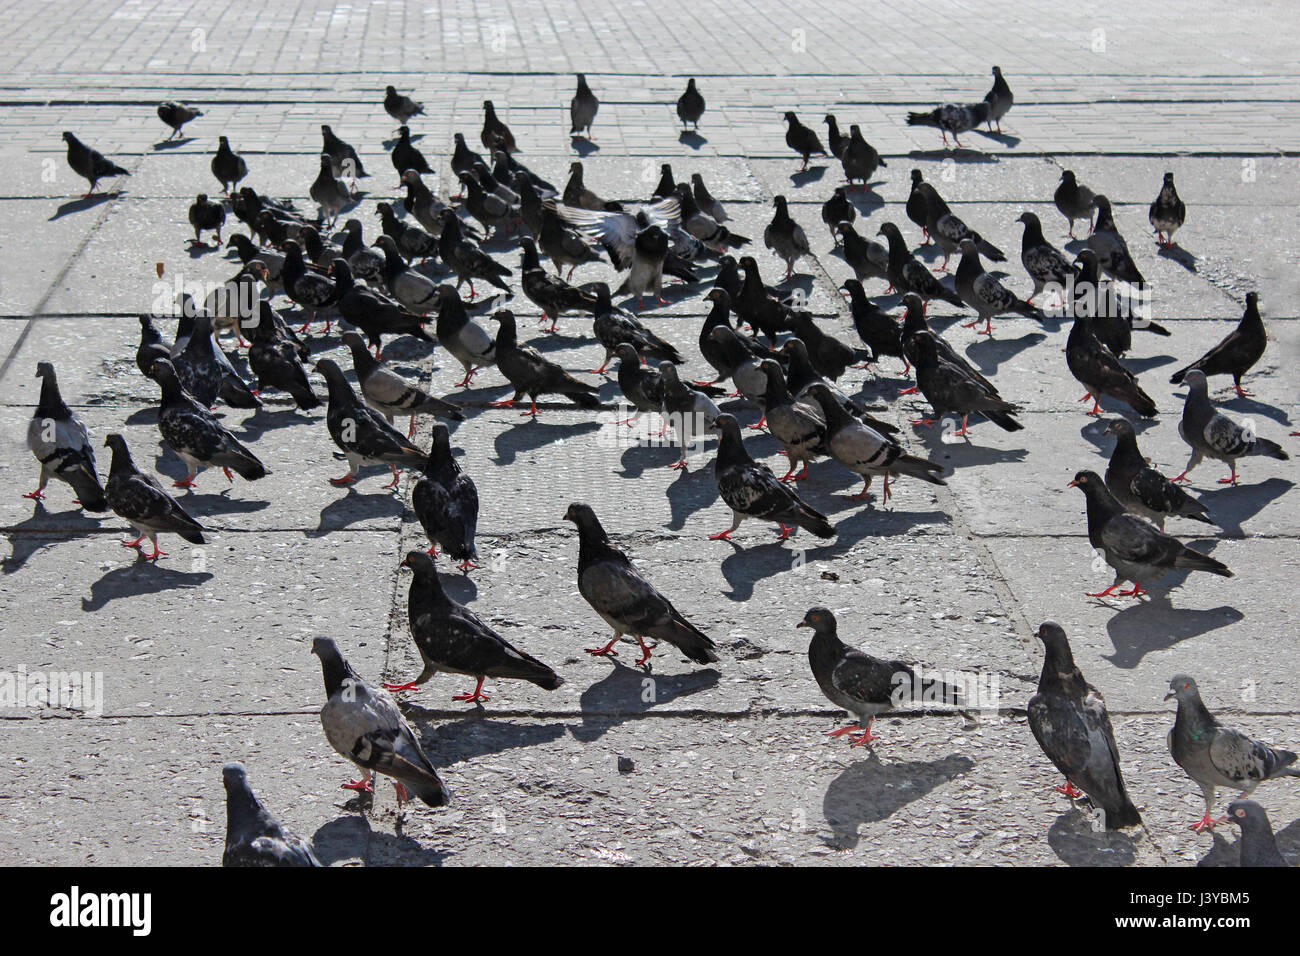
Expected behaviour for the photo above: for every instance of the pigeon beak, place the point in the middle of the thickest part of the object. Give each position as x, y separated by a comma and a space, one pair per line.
1073, 484
803, 624
1170, 696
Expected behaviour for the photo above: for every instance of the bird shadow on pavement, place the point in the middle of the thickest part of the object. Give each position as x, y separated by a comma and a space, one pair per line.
1094, 431
140, 577
640, 458
475, 735
1178, 254
1151, 625
691, 138
266, 419
1223, 853
583, 146
1140, 366
964, 453
351, 837
557, 341
355, 507
1075, 842
961, 154
693, 490
872, 790
1006, 139
83, 203
989, 353
209, 504
866, 201
173, 143
532, 435
621, 695
1249, 406
1232, 505
812, 174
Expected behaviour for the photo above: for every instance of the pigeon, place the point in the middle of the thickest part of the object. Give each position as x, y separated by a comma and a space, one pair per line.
906, 274
1110, 247
736, 362
401, 107
999, 98
62, 446
453, 639
757, 304
916, 208
614, 327
206, 216
1211, 434
704, 227
1069, 720
227, 166
864, 450
468, 343
272, 261
867, 258
666, 184
802, 140
878, 330
577, 194
625, 600
192, 432
330, 193
1217, 756
985, 294
414, 290
388, 393
952, 118
829, 356
550, 293
462, 157
344, 160
718, 351
429, 211
838, 210
800, 426
642, 386
864, 685
1045, 264
1236, 354
1074, 201
582, 109
955, 388
197, 360
564, 245
405, 156
687, 410
372, 312
915, 328
445, 501
491, 211
276, 363
1167, 213
1140, 488
313, 292
1135, 548
837, 141
1100, 372
364, 262
1257, 843
495, 134
690, 106
253, 836
531, 374
366, 727
362, 433
800, 378
860, 159
412, 242
89, 164
704, 199
467, 260
140, 500
1112, 318
505, 167
499, 188
634, 241
176, 115
750, 489
948, 231
786, 237
151, 346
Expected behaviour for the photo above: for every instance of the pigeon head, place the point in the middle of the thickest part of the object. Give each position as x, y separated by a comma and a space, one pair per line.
1067, 177
718, 295
790, 117
352, 225
1087, 480
326, 131
1103, 207
851, 286
1029, 219
697, 179
390, 91
820, 619
1169, 179
487, 105
997, 71
690, 84
235, 777
627, 353
726, 424
917, 178
888, 229
585, 519
1196, 381
115, 442
1183, 689
354, 341
844, 227
1053, 637
505, 316
779, 203
45, 370
340, 269
331, 372
968, 245
325, 648
68, 137
795, 347
163, 372
422, 566
669, 372
441, 440
913, 304
1246, 813
325, 162
1120, 427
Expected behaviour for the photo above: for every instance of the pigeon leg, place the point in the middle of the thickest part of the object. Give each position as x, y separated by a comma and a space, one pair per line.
604, 365
467, 565
476, 696
802, 474
910, 390
1207, 822
680, 463
726, 535
921, 421
348, 479
888, 493
410, 431
963, 431
157, 552
1105, 593
1231, 479
867, 736
607, 650
229, 477
863, 493
532, 411
761, 423
39, 493
398, 688
432, 551
943, 267
504, 403
785, 533
187, 481
132, 544
629, 422
988, 327
397, 476
1069, 791
645, 651
1241, 392
361, 786
1096, 407
1134, 591
843, 730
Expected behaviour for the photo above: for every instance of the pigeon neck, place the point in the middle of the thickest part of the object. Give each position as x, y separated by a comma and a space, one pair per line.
593, 544
336, 672
731, 450
720, 314
898, 253
1250, 319
352, 243
968, 268
243, 808
531, 259
1127, 455
1105, 220
362, 361
121, 463
441, 463
451, 316
1193, 714
51, 405
1102, 506
506, 335
426, 592
1059, 671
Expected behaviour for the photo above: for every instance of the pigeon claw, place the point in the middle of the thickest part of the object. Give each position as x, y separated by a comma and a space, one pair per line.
132, 544
361, 786
1069, 791
348, 479
1105, 593
645, 652
851, 728
399, 688
606, 651
722, 535
865, 739
36, 495
474, 696
786, 531
1207, 822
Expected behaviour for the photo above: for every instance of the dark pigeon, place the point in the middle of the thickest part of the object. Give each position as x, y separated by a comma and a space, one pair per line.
690, 106
1211, 434
362, 433
140, 500
253, 836
1237, 353
1140, 488
1168, 213
802, 140
445, 501
227, 166
531, 374
89, 164
195, 435
1258, 846
176, 115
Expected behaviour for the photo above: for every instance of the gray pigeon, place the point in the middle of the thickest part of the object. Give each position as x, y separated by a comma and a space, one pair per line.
984, 293
786, 237
330, 193
625, 600
1069, 720
1258, 846
1211, 434
1075, 201
1111, 249
1217, 756
388, 393
800, 426
365, 726
1000, 99
253, 836
1139, 487
140, 499
582, 109
176, 115
61, 444
689, 412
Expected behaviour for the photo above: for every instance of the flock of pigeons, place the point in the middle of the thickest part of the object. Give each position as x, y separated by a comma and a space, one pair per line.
774, 355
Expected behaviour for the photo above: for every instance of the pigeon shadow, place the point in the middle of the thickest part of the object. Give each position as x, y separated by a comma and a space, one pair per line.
583, 146
173, 143
959, 154
140, 577
534, 434
1006, 139
475, 735
1140, 366
353, 508
221, 503
866, 201
963, 453
1154, 625
812, 174
691, 138
989, 353
1075, 842
266, 419
1232, 505
83, 203
1178, 254
1249, 406
42, 528
692, 491
1094, 431
1223, 853
351, 837
641, 457
621, 694
872, 790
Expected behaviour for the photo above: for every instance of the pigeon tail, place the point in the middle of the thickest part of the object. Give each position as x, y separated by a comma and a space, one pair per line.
1267, 448
1195, 561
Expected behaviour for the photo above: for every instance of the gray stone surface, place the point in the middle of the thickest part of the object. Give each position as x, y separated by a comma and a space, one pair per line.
204, 657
